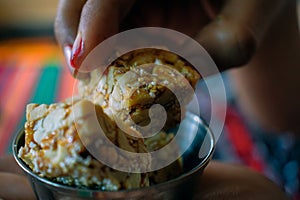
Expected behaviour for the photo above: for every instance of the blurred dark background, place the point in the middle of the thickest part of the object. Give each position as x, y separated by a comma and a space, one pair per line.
27, 18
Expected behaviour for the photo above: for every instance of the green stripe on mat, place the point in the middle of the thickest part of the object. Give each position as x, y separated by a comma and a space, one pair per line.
44, 92
46, 88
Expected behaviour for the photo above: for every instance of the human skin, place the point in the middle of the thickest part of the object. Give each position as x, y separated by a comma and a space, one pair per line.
13, 183
219, 181
258, 36
267, 88
231, 34
229, 181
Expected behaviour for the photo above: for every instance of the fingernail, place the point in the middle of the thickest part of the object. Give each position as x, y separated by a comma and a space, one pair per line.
68, 52
76, 74
77, 51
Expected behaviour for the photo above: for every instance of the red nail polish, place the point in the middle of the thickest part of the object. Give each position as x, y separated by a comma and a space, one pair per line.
68, 52
77, 51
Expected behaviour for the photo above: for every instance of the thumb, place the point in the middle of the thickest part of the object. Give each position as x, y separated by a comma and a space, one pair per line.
99, 20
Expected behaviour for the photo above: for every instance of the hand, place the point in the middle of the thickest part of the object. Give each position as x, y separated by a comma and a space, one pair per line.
229, 181
230, 30
13, 183
219, 181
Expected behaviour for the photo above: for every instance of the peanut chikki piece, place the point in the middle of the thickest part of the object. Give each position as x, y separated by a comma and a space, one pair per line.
54, 148
58, 136
137, 80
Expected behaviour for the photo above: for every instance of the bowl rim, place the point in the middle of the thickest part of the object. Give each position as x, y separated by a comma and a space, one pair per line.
49, 183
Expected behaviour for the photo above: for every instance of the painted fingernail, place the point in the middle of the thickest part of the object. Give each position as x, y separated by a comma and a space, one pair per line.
68, 52
75, 72
77, 51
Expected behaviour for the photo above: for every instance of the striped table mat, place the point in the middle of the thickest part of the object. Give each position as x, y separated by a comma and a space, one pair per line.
31, 70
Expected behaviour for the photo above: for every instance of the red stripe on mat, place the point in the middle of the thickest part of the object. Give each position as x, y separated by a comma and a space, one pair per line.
2, 68
8, 87
6, 76
15, 103
242, 141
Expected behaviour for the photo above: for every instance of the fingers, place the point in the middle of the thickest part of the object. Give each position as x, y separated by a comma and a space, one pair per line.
227, 181
8, 164
233, 36
67, 20
79, 75
13, 186
99, 20
65, 26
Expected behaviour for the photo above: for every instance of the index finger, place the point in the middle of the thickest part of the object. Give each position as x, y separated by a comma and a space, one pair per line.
67, 21
65, 28
234, 35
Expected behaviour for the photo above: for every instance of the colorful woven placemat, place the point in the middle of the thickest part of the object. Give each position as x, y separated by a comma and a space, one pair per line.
31, 70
